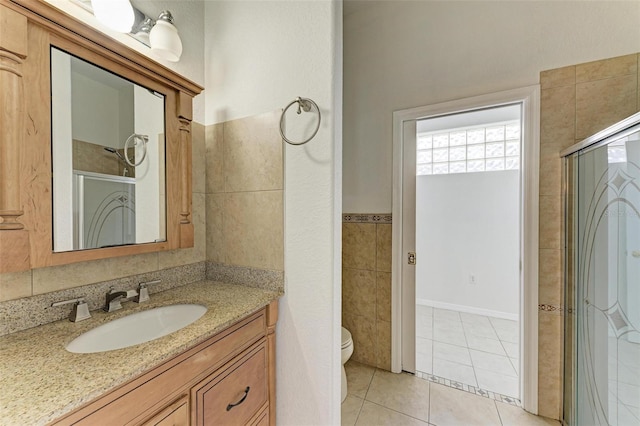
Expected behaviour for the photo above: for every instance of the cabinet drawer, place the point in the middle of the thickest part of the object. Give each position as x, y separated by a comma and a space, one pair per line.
235, 395
152, 389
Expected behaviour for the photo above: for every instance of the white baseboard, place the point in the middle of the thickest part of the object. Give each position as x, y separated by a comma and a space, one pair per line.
467, 309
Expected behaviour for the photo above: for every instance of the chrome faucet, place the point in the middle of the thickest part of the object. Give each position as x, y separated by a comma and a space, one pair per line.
114, 299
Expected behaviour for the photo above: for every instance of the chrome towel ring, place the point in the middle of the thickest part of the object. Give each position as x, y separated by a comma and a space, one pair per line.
304, 104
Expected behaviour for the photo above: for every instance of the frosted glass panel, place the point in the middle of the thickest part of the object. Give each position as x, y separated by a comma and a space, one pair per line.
605, 367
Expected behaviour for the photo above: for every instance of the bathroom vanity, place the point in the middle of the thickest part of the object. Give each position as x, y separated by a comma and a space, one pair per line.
218, 370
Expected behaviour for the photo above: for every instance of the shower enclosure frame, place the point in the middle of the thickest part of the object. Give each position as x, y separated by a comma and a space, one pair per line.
575, 323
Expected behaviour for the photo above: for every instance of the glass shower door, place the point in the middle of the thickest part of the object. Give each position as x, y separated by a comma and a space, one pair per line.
605, 251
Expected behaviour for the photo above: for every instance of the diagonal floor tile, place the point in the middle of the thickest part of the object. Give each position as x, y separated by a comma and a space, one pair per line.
516, 416
400, 392
350, 410
451, 353
454, 371
451, 407
485, 344
492, 362
424, 355
500, 383
358, 378
375, 415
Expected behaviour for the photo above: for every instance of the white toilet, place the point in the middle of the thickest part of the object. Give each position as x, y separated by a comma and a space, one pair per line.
346, 352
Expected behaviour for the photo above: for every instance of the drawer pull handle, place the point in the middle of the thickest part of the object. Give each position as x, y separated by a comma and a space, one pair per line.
246, 392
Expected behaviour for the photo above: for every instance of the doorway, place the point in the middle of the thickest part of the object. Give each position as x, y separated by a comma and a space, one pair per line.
467, 234
461, 308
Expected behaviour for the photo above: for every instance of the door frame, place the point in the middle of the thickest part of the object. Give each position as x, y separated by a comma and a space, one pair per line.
529, 98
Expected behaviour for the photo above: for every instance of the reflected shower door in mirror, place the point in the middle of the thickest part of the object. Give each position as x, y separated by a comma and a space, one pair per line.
108, 151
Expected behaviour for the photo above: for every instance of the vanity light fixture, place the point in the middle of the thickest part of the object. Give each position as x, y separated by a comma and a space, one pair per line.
164, 39
118, 15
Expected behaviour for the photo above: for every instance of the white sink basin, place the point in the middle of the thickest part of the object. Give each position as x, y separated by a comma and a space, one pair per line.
136, 328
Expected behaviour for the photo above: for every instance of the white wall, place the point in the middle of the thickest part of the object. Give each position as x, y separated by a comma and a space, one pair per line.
467, 224
97, 111
150, 221
259, 56
402, 54
62, 154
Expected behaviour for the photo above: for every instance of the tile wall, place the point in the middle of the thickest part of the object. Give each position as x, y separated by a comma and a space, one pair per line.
244, 193
366, 287
44, 280
576, 102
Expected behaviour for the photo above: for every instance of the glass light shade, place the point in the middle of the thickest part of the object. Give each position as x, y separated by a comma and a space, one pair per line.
165, 41
118, 15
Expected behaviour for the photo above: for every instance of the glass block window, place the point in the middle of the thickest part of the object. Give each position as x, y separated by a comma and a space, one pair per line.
492, 147
617, 151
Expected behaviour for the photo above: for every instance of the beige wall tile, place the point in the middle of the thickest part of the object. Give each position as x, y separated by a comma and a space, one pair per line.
172, 258
557, 115
558, 77
550, 175
214, 158
253, 154
602, 103
359, 245
215, 237
253, 229
383, 296
363, 333
550, 222
198, 158
55, 278
549, 365
550, 277
383, 359
15, 285
607, 68
383, 247
359, 293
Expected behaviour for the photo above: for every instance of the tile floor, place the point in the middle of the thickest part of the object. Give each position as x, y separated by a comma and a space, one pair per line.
377, 397
470, 349
623, 381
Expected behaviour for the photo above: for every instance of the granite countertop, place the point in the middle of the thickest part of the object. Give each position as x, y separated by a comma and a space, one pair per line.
40, 381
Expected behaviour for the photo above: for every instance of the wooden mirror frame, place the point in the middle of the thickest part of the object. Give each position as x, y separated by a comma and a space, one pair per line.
28, 29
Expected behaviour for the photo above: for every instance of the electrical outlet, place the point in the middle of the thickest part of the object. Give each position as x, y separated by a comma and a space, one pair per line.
473, 280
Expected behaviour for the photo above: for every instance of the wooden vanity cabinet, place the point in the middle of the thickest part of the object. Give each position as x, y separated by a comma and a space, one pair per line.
226, 380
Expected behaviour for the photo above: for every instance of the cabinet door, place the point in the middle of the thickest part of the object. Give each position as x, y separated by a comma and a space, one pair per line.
175, 414
235, 395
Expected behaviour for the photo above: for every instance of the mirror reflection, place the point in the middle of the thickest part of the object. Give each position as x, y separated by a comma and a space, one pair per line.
108, 152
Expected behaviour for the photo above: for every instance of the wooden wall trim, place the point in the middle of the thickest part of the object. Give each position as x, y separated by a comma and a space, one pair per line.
272, 318
13, 50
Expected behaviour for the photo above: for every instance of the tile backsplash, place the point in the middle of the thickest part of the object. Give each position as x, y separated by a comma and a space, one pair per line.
20, 314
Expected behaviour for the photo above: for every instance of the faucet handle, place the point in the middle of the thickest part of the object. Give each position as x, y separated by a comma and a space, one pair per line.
143, 291
80, 309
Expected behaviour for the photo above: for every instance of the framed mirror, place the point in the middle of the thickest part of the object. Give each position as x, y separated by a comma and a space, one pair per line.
74, 185
108, 157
